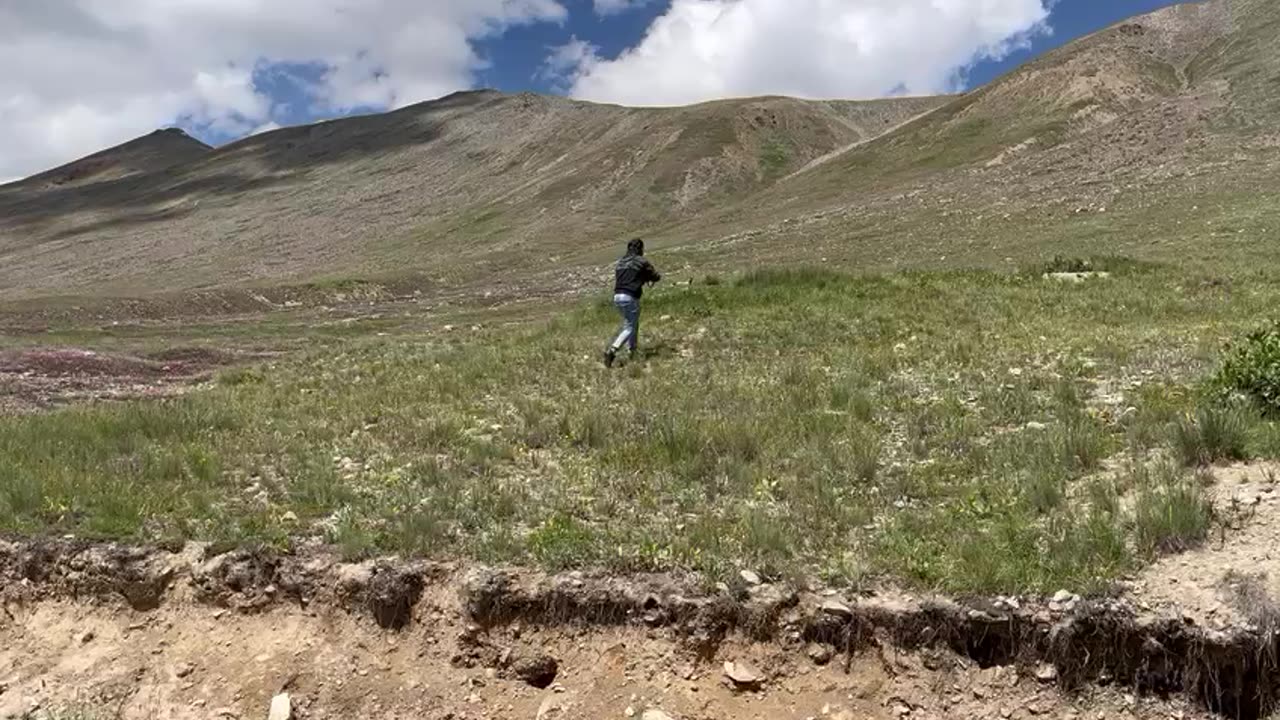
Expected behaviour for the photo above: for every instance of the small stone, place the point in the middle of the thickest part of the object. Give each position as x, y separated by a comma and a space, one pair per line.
281, 708
86, 637
629, 712
184, 670
819, 654
654, 714
537, 670
742, 675
289, 517
838, 608
1046, 673
749, 577
1036, 426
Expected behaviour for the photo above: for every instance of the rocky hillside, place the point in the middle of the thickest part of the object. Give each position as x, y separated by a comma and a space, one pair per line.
448, 183
157, 152
1145, 139
1151, 138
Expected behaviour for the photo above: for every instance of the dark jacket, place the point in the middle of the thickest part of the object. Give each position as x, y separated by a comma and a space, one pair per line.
634, 272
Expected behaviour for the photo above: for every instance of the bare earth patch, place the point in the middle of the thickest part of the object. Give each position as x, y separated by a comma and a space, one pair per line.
39, 379
1217, 585
121, 632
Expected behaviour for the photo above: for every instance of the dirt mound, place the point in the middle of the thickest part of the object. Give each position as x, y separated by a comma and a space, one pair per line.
504, 618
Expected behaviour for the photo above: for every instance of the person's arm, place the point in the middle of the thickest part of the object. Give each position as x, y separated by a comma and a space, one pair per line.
652, 273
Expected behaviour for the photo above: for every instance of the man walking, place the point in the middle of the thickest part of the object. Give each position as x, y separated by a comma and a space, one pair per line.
632, 273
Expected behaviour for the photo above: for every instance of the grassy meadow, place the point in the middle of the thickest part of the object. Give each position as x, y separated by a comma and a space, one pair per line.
969, 431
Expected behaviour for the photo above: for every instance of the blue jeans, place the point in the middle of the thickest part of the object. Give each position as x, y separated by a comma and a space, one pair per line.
629, 308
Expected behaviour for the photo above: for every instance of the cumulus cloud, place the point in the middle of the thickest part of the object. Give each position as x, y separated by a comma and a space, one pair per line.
80, 75
565, 61
704, 49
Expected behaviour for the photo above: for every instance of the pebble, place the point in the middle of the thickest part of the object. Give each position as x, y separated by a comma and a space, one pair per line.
281, 708
838, 608
742, 675
819, 654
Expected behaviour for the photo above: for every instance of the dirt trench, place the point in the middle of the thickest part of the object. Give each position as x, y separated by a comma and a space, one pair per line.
148, 633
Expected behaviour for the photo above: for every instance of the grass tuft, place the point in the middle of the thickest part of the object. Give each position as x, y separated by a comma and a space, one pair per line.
1171, 511
1213, 433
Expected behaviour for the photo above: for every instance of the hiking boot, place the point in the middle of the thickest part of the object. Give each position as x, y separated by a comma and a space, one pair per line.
609, 356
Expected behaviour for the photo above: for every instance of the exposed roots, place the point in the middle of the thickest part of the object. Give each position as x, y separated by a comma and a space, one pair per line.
1233, 672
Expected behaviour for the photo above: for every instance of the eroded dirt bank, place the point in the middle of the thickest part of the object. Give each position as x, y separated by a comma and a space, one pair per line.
193, 634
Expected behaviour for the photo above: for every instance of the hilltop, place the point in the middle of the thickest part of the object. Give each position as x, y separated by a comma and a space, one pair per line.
153, 153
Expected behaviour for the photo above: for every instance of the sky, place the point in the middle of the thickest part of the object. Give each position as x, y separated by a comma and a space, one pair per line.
77, 76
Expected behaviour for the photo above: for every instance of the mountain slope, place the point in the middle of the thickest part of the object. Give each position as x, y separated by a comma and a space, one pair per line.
1150, 138
1115, 143
156, 152
433, 186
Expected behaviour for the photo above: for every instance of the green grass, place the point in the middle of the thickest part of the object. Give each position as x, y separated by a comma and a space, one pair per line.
948, 430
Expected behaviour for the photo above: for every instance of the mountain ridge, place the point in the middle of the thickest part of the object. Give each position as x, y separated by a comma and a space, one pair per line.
485, 189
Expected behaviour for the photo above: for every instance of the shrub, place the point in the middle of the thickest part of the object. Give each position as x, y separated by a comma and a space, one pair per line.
1252, 368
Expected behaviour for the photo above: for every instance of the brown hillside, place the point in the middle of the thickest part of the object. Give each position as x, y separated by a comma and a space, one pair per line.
458, 179
1094, 146
158, 151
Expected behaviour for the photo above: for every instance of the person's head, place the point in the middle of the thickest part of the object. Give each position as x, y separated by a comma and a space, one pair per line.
635, 247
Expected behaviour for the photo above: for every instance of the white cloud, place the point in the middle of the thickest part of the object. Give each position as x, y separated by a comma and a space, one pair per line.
704, 49
80, 75
613, 7
565, 61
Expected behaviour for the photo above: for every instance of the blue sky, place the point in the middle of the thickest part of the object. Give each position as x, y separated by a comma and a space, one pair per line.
86, 74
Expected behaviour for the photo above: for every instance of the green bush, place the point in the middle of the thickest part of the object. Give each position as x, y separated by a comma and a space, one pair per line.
1252, 367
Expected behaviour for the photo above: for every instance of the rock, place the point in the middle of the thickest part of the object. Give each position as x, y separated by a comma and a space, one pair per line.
629, 712
281, 708
86, 637
290, 517
819, 654
1063, 601
743, 676
1046, 673
184, 670
537, 670
552, 707
654, 714
838, 608
749, 577
1036, 426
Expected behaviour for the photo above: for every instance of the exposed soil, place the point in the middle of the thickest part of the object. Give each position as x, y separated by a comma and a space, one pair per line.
42, 378
1232, 580
194, 634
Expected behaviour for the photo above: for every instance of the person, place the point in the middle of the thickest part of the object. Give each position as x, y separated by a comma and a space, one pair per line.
631, 274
